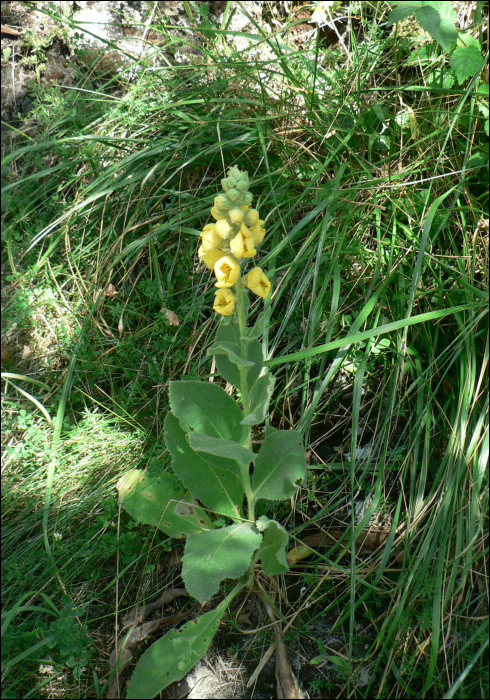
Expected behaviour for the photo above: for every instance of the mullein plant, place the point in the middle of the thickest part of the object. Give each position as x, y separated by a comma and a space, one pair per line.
210, 493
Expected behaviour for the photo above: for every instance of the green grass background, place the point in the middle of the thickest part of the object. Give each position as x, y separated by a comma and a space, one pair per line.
369, 165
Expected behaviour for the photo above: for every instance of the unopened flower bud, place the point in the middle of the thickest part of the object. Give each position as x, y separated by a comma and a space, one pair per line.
251, 217
218, 213
222, 228
236, 215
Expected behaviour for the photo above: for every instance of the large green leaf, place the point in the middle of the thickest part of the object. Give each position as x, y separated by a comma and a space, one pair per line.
258, 328
170, 658
231, 351
280, 466
437, 19
215, 481
260, 396
401, 11
206, 408
158, 498
465, 61
220, 448
254, 353
211, 557
230, 334
273, 550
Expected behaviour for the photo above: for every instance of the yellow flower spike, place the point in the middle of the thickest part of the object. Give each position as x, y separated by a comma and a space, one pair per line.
210, 258
227, 271
210, 238
251, 217
243, 246
236, 216
258, 232
257, 282
222, 228
224, 302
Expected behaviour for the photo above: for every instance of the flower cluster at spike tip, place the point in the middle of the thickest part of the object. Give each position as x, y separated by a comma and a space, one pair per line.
236, 234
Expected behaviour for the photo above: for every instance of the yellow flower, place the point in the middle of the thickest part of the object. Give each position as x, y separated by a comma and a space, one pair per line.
236, 216
224, 302
251, 217
257, 282
243, 246
217, 213
210, 258
210, 238
222, 228
258, 232
227, 271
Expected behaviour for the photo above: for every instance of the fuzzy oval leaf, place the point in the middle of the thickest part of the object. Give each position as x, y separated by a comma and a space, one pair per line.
214, 556
221, 448
280, 466
258, 328
207, 409
215, 481
231, 351
273, 549
170, 658
228, 370
229, 333
260, 396
159, 499
254, 353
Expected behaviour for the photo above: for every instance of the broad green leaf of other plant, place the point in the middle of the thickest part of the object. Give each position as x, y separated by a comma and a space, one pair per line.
215, 481
157, 498
280, 467
436, 18
215, 556
402, 10
465, 61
